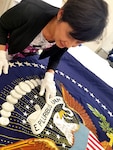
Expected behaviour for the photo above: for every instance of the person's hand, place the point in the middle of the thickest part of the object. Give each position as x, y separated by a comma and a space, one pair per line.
3, 62
48, 86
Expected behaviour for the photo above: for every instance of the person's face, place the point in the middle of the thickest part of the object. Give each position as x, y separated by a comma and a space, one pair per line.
62, 36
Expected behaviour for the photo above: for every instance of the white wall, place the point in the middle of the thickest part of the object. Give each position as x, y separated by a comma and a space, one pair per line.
5, 4
106, 41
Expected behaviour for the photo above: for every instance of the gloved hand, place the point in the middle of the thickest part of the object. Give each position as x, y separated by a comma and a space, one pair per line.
48, 86
3, 62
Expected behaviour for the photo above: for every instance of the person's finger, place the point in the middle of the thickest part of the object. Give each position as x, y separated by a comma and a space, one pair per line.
42, 90
5, 68
47, 96
0, 69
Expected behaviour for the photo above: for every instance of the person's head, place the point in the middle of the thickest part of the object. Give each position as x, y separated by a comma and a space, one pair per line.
87, 18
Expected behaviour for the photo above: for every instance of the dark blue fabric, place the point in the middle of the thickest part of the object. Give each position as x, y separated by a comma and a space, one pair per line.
99, 94
81, 83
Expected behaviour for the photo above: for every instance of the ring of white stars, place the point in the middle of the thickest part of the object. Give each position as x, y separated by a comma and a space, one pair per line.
14, 64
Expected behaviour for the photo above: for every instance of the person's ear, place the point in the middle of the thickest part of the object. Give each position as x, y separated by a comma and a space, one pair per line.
60, 14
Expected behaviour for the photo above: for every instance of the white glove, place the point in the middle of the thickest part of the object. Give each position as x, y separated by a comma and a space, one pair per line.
3, 62
48, 86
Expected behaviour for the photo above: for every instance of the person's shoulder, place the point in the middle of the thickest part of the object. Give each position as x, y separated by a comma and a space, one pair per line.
38, 7
42, 3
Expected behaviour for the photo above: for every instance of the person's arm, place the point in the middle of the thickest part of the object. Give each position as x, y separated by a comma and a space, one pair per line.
47, 83
3, 41
10, 20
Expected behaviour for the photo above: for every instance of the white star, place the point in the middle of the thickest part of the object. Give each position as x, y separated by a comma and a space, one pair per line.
42, 66
85, 89
35, 96
19, 63
47, 132
27, 64
11, 64
63, 145
74, 81
110, 113
61, 73
67, 77
56, 71
25, 114
35, 65
24, 121
97, 100
51, 126
27, 106
91, 94
79, 85
103, 106
58, 136
31, 101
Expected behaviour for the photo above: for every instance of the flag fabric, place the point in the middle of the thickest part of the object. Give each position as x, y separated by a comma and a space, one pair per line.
90, 106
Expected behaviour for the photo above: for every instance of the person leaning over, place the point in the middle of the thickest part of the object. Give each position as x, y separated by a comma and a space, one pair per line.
34, 23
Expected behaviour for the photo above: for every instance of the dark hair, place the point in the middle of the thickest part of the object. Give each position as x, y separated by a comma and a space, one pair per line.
87, 18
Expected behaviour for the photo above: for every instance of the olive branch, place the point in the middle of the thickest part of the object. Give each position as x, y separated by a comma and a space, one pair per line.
103, 122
